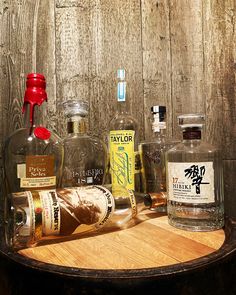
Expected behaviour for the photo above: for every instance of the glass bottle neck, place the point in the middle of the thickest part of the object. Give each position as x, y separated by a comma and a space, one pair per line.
160, 135
36, 116
123, 107
77, 125
192, 133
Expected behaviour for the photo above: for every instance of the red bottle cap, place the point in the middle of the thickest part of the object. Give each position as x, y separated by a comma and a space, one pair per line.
35, 93
42, 133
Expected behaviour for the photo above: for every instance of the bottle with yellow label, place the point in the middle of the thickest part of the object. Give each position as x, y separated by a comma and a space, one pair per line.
123, 142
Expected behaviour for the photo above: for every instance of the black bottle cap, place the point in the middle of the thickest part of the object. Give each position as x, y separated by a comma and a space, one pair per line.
147, 200
158, 109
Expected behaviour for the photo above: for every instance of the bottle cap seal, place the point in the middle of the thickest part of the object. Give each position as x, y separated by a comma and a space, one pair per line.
42, 133
35, 93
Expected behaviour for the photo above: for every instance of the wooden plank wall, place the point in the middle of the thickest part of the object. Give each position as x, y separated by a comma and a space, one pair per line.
180, 53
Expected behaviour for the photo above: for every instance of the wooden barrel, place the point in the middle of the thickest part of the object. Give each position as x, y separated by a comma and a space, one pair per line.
151, 257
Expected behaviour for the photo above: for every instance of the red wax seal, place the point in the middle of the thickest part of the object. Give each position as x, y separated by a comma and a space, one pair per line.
42, 133
35, 93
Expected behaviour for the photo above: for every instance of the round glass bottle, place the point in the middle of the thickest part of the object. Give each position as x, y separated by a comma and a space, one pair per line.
85, 161
194, 179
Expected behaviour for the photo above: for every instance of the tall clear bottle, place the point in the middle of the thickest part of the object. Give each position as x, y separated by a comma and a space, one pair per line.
152, 155
69, 212
195, 179
86, 156
123, 142
33, 155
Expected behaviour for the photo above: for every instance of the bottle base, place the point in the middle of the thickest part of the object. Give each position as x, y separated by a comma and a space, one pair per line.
196, 217
195, 224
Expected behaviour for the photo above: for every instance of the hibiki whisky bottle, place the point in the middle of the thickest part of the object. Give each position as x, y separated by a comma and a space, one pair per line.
152, 155
33, 155
195, 180
123, 141
86, 158
67, 212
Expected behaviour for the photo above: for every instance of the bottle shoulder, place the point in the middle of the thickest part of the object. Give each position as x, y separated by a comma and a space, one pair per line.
23, 139
83, 140
193, 147
124, 122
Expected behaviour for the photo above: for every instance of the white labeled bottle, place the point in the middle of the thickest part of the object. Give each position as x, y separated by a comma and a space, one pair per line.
85, 161
123, 141
35, 216
195, 179
33, 155
152, 155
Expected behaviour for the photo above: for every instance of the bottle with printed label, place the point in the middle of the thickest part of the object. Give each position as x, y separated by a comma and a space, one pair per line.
195, 180
123, 142
85, 161
152, 155
33, 155
33, 216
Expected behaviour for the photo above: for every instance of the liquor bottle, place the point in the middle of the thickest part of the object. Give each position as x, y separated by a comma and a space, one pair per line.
152, 155
195, 180
123, 142
33, 155
34, 216
86, 158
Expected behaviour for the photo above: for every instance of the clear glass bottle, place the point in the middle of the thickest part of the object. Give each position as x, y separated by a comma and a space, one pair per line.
152, 155
195, 180
33, 155
85, 161
44, 215
123, 142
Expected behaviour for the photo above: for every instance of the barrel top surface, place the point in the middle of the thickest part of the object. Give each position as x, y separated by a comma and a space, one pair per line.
151, 243
150, 249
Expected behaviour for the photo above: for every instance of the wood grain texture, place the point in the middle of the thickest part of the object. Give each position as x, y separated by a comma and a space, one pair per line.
151, 243
219, 63
186, 58
156, 61
93, 40
46, 59
116, 43
230, 187
179, 53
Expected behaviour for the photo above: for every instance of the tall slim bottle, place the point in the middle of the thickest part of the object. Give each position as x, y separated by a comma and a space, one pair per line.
152, 155
33, 155
123, 141
86, 156
195, 179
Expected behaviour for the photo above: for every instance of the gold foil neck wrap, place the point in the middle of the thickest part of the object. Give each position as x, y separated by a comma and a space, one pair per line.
77, 126
38, 231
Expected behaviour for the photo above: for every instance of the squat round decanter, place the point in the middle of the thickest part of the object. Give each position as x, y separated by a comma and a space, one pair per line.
195, 179
85, 161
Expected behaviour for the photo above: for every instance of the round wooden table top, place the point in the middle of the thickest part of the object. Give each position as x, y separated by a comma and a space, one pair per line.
150, 243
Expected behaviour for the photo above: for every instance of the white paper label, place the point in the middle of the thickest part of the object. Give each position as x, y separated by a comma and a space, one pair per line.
191, 182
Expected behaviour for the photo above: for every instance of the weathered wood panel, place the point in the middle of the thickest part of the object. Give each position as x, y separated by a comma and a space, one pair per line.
179, 53
45, 58
230, 187
18, 35
94, 39
116, 43
156, 61
186, 58
219, 64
